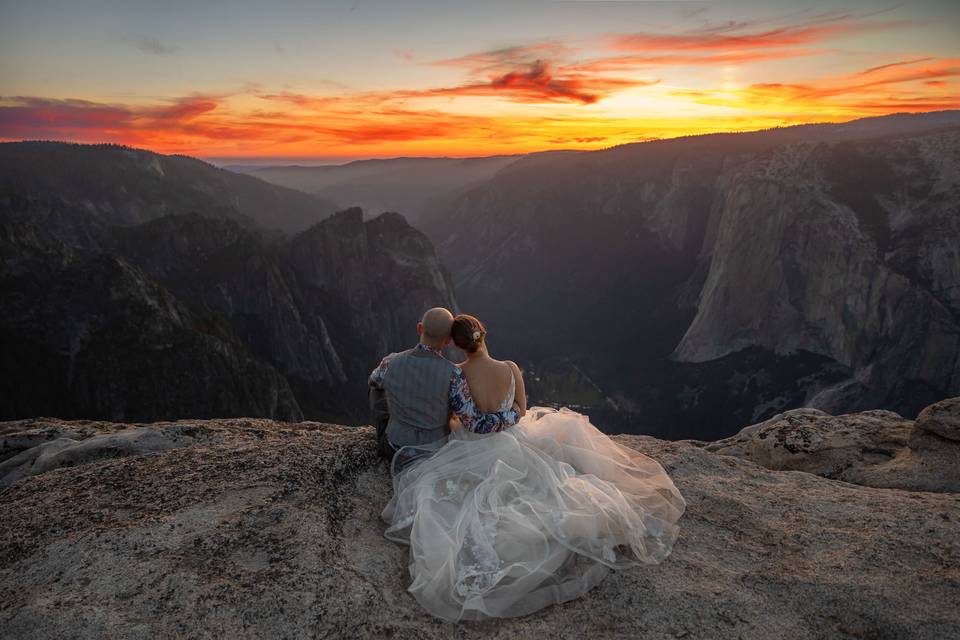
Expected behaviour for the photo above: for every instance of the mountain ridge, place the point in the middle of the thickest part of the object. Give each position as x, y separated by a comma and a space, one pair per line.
607, 274
605, 257
128, 185
189, 306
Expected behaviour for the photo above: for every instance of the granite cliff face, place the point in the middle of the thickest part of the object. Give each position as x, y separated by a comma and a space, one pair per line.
87, 333
194, 312
382, 273
706, 282
253, 528
853, 252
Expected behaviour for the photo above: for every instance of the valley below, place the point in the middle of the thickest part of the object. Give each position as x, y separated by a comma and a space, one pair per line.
676, 288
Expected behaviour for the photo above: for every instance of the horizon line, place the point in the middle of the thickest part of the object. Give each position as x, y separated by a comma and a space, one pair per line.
328, 161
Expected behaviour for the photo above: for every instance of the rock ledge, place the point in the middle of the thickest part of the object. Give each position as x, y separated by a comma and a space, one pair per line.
249, 528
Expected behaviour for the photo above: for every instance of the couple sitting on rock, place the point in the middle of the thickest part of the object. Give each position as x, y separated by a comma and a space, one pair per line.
417, 394
504, 521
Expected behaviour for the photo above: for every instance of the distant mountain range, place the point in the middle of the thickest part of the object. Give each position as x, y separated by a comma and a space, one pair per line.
410, 185
680, 287
127, 186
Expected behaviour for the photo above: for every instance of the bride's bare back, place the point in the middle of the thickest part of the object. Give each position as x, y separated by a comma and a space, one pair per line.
490, 382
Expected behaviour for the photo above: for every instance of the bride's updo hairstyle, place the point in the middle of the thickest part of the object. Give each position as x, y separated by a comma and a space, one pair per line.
468, 332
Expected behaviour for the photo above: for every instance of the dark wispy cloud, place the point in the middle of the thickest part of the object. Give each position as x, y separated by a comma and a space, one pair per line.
737, 36
890, 65
732, 42
529, 73
631, 62
536, 82
495, 60
148, 44
553, 71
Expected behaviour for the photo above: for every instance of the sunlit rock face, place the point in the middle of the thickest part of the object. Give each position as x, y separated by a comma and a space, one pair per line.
196, 309
707, 282
249, 528
873, 448
850, 251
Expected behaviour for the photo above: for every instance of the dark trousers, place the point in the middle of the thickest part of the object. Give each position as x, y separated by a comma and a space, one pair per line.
386, 449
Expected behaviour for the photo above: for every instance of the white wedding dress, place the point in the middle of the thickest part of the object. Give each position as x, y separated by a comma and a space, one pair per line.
503, 524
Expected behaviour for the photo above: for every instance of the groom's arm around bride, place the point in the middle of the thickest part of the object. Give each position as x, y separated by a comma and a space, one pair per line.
413, 393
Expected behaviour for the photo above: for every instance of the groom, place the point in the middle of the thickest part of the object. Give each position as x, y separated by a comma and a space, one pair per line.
413, 394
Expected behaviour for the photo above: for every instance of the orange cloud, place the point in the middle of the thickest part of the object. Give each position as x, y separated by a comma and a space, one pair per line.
181, 110
408, 121
887, 88
22, 116
191, 124
892, 74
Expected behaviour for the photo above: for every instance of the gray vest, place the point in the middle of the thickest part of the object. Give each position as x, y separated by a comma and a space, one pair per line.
417, 386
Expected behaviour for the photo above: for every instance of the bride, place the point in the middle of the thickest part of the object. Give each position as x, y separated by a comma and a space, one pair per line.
504, 524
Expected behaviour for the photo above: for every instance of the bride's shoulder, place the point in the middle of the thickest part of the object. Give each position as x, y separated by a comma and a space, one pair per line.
513, 366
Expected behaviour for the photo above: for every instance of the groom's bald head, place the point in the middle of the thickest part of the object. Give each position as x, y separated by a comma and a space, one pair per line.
434, 327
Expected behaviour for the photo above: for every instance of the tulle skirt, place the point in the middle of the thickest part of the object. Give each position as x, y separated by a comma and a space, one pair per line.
504, 524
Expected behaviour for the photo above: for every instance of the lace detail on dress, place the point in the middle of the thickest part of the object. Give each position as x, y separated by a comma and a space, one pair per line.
482, 566
511, 394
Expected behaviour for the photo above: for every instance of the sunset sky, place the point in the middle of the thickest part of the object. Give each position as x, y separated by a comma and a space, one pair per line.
334, 81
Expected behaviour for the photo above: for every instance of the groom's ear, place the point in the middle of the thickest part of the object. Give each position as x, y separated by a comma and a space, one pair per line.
447, 340
419, 328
